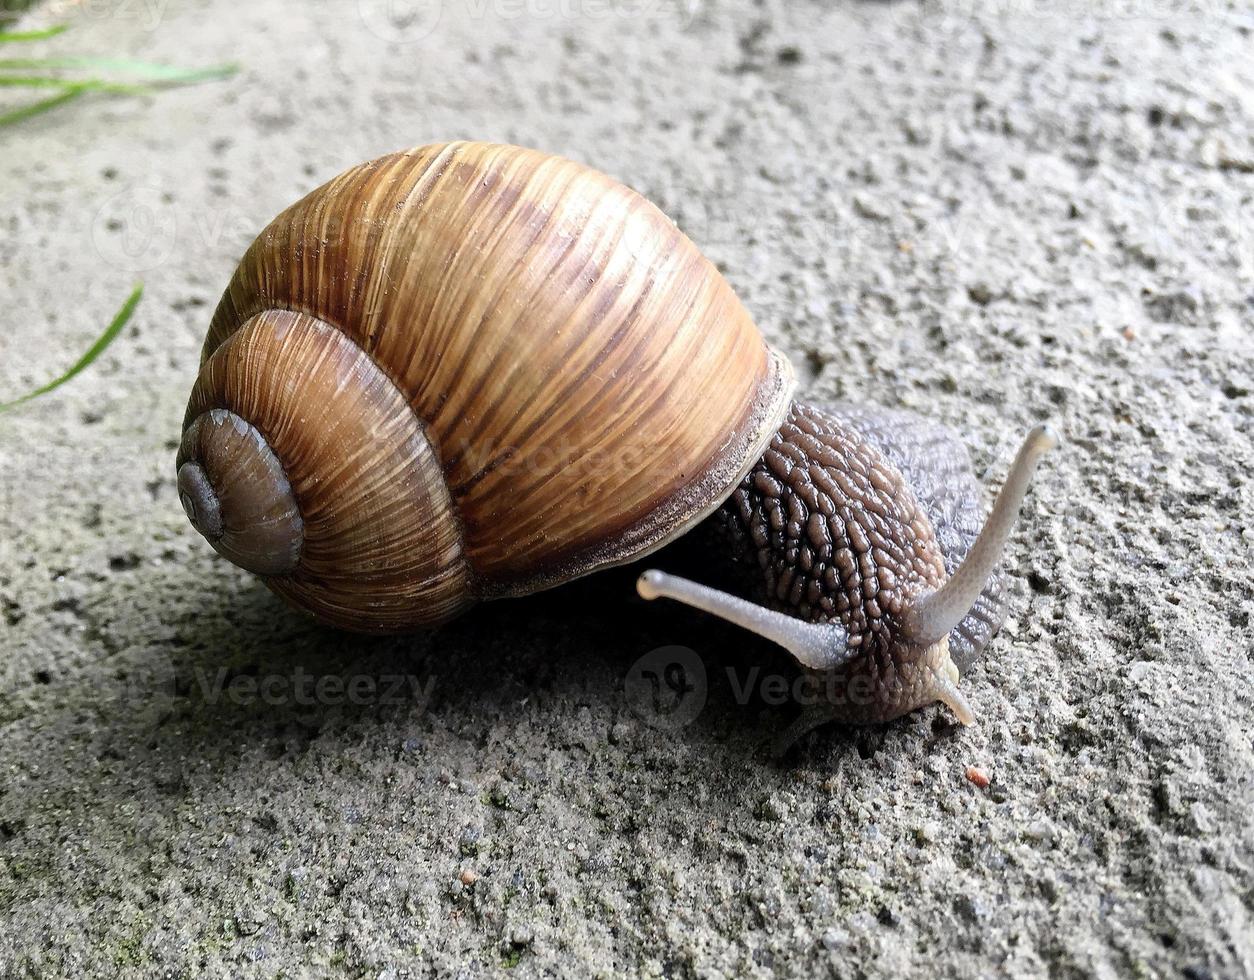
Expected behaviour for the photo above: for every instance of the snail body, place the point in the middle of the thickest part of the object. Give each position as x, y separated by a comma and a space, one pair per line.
471, 371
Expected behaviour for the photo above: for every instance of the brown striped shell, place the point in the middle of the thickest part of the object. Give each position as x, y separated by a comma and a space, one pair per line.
468, 371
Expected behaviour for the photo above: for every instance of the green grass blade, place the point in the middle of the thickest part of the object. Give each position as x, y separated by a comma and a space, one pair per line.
73, 89
85, 85
17, 115
163, 73
189, 76
105, 339
33, 35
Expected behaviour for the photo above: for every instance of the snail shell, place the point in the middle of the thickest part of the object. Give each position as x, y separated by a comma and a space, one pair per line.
468, 371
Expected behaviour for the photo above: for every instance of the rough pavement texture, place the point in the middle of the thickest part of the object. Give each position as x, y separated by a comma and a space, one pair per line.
987, 214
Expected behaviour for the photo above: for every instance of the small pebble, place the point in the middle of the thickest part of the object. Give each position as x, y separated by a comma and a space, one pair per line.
833, 940
980, 294
467, 877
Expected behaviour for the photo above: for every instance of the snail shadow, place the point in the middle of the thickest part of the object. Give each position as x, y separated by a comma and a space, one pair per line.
261, 672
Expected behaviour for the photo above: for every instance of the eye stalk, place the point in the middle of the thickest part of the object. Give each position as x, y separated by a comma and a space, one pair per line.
934, 615
819, 646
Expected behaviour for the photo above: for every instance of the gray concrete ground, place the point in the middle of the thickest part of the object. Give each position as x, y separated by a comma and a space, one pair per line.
988, 213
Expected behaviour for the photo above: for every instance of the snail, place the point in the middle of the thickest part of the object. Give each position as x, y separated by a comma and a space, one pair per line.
470, 371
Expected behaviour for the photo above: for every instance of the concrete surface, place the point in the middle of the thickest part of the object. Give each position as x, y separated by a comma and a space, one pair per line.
986, 213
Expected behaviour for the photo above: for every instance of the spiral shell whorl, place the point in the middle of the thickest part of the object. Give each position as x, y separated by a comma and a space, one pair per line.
235, 493
381, 546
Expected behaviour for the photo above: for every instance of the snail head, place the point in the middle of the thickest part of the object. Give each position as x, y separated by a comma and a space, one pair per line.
919, 668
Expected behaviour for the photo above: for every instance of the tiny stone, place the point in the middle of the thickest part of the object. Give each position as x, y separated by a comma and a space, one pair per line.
980, 293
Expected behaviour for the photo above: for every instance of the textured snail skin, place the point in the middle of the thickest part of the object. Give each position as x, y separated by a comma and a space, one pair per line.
851, 513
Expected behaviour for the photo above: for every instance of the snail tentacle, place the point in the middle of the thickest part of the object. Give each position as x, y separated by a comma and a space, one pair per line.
933, 615
944, 685
819, 646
